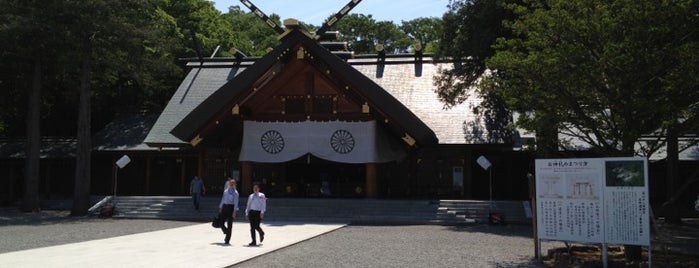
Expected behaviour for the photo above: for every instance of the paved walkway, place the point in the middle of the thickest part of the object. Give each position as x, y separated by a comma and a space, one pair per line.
197, 245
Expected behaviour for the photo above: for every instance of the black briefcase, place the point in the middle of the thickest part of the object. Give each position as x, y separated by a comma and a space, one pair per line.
217, 222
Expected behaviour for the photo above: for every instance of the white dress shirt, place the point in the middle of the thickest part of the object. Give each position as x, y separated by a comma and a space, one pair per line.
230, 197
256, 201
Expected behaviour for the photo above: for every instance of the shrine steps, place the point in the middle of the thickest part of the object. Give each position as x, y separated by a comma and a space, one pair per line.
330, 210
514, 212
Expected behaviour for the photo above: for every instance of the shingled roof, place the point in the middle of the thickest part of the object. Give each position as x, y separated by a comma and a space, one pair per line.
127, 132
198, 85
377, 97
50, 148
453, 125
410, 99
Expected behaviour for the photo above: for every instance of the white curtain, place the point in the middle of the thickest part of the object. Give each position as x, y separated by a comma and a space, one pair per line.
339, 141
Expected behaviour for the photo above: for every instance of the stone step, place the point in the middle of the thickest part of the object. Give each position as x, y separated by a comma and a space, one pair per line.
513, 211
368, 211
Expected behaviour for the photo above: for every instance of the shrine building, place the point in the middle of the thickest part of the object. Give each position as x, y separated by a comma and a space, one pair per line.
307, 117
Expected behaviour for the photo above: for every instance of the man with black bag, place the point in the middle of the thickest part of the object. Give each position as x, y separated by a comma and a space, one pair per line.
227, 209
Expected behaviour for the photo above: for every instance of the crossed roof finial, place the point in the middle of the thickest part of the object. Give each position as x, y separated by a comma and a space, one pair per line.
262, 16
325, 27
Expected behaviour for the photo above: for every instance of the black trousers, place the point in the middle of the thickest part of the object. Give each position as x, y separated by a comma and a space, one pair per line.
254, 217
227, 219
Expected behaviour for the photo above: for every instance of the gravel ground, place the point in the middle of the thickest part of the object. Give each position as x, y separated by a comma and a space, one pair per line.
21, 231
409, 246
352, 246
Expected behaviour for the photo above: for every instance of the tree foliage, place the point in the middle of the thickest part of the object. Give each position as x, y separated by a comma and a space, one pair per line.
114, 55
92, 60
363, 33
250, 34
469, 29
425, 30
608, 71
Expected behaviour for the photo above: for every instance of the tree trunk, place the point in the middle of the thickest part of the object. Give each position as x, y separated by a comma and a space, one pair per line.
672, 211
547, 137
81, 190
30, 200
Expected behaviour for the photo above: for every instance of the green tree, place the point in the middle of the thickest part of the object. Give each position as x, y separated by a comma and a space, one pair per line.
104, 57
20, 23
118, 43
469, 30
608, 71
425, 30
602, 72
96, 28
204, 20
390, 36
363, 33
250, 34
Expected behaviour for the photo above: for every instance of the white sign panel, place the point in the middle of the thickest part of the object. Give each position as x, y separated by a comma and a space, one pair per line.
483, 162
123, 161
626, 202
596, 200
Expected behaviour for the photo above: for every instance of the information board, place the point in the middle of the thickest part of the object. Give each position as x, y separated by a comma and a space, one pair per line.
593, 200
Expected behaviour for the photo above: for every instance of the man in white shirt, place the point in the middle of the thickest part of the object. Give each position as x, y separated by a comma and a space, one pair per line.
228, 208
255, 212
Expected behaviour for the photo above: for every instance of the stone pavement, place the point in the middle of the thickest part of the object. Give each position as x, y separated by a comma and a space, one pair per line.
196, 245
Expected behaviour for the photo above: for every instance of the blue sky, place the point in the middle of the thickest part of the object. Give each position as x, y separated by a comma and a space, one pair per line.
315, 11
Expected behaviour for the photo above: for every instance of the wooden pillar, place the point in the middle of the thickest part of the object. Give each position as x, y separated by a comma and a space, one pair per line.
246, 174
183, 176
372, 185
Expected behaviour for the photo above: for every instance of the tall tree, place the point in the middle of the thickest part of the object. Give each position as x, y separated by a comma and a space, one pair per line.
112, 39
363, 33
426, 30
250, 35
469, 30
602, 72
128, 48
606, 70
21, 21
467, 33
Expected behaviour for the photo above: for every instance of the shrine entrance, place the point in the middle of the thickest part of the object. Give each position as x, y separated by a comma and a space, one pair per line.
309, 176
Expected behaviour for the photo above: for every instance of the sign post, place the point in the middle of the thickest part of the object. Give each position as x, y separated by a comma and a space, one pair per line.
593, 200
121, 163
485, 164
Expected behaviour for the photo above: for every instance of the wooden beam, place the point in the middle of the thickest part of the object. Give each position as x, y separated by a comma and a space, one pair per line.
335, 18
262, 16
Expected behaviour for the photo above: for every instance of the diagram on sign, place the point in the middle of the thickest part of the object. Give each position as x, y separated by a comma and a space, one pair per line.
553, 188
583, 186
